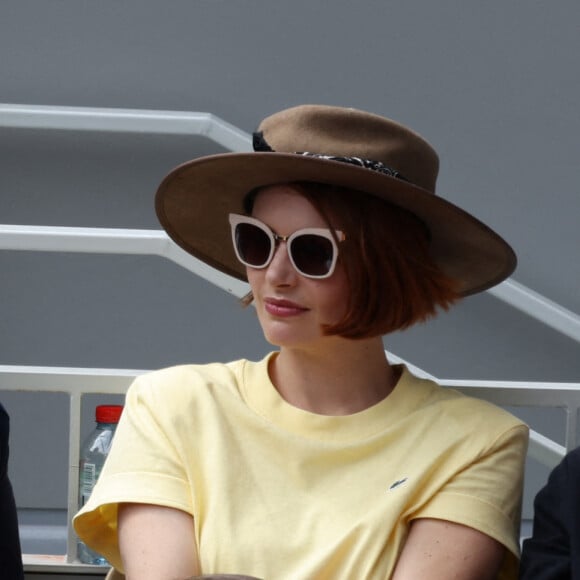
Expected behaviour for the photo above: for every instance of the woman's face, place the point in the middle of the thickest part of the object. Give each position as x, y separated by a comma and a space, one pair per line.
291, 308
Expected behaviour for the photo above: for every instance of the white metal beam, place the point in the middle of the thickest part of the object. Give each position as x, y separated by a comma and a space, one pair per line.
125, 121
113, 241
541, 308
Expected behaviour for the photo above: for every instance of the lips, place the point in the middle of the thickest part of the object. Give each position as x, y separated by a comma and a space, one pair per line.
282, 308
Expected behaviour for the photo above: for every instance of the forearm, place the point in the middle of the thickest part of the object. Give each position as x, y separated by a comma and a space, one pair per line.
439, 550
156, 542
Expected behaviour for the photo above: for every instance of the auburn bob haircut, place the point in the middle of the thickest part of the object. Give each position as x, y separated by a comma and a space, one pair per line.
393, 281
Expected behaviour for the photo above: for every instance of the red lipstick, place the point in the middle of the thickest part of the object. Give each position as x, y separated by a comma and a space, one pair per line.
282, 308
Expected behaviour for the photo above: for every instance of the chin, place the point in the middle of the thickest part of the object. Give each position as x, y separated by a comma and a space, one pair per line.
290, 333
280, 335
291, 340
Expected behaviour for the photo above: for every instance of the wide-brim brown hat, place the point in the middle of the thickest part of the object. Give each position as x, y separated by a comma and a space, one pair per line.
333, 145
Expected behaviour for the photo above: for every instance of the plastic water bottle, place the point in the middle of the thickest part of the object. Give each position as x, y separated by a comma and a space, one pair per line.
93, 453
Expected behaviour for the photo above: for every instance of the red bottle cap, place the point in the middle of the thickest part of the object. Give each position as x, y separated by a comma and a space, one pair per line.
108, 413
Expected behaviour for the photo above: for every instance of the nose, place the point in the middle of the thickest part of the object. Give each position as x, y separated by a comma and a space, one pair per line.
280, 270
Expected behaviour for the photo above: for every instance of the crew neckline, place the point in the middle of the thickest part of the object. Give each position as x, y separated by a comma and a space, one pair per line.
262, 396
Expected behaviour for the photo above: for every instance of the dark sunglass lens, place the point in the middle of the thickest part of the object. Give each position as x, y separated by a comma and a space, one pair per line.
253, 244
312, 254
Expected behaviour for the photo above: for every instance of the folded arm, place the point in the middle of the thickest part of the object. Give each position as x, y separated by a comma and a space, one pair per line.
156, 542
442, 550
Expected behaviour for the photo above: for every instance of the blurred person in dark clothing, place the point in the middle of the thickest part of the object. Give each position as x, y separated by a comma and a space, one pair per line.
553, 551
10, 553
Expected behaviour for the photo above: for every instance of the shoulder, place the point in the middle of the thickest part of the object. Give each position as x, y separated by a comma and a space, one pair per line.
188, 375
180, 383
455, 411
454, 403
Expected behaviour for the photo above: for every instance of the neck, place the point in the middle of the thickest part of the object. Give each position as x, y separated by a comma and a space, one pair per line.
350, 377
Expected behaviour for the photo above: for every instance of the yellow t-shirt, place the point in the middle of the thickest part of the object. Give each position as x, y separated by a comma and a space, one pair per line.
281, 493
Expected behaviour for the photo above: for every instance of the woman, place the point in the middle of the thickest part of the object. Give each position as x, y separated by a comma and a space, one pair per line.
323, 460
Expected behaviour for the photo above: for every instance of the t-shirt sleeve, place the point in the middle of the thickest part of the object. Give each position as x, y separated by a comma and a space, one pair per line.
486, 495
143, 466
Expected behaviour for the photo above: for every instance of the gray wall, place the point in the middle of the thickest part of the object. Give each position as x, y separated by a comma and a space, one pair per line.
495, 87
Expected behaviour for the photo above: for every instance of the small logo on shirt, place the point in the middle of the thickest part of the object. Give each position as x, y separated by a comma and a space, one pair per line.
398, 483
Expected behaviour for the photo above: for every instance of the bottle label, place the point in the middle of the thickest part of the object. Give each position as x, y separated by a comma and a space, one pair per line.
93, 455
88, 479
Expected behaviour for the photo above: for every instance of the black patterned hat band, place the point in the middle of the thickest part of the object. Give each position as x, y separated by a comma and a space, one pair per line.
260, 145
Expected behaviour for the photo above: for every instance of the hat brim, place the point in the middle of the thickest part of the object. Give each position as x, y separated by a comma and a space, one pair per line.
194, 200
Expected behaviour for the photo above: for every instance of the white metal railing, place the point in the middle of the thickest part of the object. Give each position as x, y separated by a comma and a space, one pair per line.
75, 383
112, 241
539, 307
124, 121
78, 382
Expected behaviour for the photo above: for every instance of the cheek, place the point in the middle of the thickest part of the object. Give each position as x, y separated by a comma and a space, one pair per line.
335, 298
253, 276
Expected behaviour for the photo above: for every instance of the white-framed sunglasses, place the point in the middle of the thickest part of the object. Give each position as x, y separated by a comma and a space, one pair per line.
313, 252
